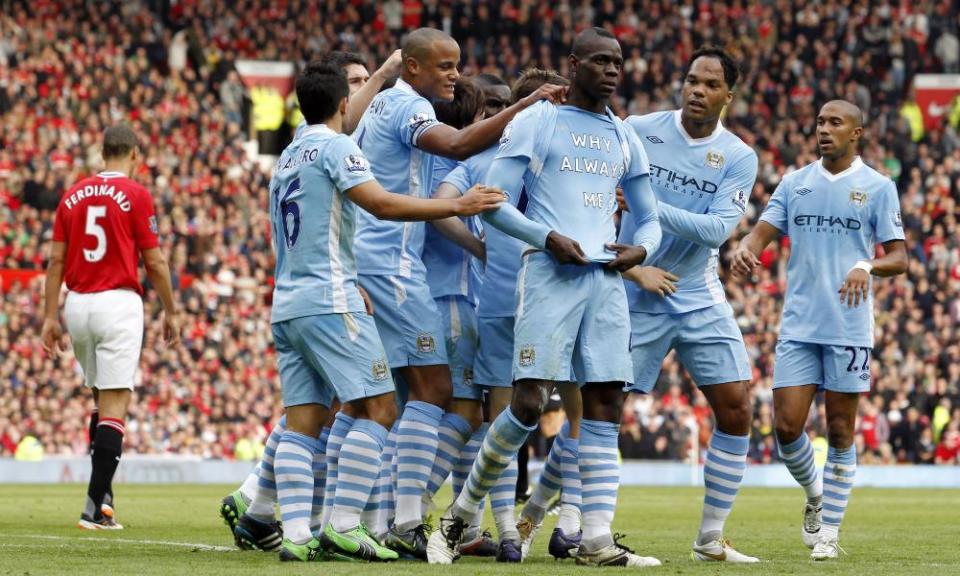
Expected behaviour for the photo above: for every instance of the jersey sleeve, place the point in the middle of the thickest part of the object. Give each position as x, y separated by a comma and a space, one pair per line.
145, 229
519, 137
459, 178
345, 164
639, 163
887, 221
414, 119
775, 214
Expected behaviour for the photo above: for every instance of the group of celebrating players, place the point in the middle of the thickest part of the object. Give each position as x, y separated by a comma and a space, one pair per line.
568, 249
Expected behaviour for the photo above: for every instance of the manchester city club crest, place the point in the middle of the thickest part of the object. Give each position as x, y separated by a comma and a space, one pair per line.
714, 160
425, 342
528, 355
858, 198
379, 370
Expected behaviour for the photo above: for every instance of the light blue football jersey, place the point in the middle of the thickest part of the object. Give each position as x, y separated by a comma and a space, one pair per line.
497, 294
575, 193
707, 176
313, 224
449, 267
833, 221
389, 133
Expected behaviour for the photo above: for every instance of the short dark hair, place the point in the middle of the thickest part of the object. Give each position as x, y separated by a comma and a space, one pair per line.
118, 141
533, 78
486, 80
342, 59
587, 35
320, 89
466, 104
731, 72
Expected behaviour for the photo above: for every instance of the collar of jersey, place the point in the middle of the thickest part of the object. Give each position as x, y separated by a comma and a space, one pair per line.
695, 141
856, 165
111, 174
317, 129
401, 84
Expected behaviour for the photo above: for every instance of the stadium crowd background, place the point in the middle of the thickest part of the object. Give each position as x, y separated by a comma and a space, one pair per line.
69, 68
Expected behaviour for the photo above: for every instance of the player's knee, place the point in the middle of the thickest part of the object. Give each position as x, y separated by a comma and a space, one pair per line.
787, 432
840, 431
528, 402
735, 418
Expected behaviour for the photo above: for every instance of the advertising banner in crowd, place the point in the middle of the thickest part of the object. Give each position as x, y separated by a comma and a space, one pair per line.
935, 96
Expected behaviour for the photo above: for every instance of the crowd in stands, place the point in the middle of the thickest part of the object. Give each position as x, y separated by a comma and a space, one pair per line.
70, 68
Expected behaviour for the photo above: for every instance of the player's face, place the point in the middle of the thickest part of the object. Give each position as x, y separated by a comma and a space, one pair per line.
495, 99
357, 76
836, 131
440, 71
597, 72
705, 91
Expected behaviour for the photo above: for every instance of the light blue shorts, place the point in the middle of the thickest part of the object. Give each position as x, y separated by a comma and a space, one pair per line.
408, 320
834, 368
460, 334
708, 344
570, 317
330, 355
493, 366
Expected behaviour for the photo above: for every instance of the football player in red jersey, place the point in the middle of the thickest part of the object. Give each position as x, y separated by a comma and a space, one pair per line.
103, 225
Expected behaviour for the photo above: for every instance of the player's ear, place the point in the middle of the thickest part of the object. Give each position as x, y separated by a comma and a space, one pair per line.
343, 105
412, 65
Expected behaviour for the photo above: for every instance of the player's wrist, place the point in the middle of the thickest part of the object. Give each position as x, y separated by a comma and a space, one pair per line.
864, 265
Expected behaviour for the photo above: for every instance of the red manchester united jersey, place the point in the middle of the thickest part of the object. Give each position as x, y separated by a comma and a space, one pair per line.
106, 221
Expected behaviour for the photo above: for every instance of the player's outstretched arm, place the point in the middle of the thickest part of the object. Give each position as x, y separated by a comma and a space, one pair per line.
443, 140
856, 286
159, 274
642, 204
746, 256
730, 202
52, 333
453, 229
361, 99
372, 197
653, 279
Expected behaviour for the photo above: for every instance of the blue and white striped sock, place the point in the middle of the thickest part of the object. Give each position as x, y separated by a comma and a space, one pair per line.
263, 504
550, 479
600, 477
380, 509
460, 472
570, 498
338, 432
357, 471
503, 499
504, 438
798, 456
416, 453
294, 472
453, 434
319, 482
838, 475
467, 456
722, 474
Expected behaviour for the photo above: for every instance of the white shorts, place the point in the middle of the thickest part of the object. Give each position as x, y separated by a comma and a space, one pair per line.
107, 332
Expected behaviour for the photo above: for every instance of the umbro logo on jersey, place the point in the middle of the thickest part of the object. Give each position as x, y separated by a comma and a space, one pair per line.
655, 139
803, 191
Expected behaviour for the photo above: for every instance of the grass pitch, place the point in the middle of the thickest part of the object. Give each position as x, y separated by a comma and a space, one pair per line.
176, 530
